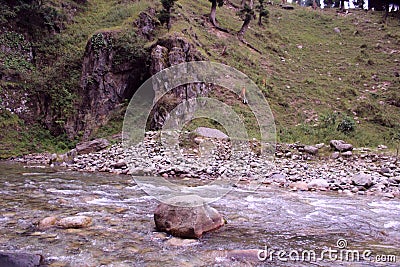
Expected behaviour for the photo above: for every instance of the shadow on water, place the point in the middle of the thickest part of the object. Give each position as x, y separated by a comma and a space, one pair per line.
123, 234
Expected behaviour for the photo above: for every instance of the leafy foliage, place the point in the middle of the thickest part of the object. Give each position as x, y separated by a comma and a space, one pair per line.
347, 125
262, 12
164, 16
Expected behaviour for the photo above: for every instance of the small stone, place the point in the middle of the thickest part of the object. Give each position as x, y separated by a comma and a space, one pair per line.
278, 177
318, 183
180, 242
312, 150
335, 155
384, 170
388, 195
354, 190
120, 164
75, 222
319, 146
47, 222
362, 179
302, 186
347, 154
340, 145
347, 192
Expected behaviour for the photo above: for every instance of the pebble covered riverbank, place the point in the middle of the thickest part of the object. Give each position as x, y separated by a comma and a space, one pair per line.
295, 166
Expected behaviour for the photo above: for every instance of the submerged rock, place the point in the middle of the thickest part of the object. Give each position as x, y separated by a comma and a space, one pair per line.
20, 259
181, 218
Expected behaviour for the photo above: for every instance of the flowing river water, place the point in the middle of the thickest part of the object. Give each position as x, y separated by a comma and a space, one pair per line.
123, 233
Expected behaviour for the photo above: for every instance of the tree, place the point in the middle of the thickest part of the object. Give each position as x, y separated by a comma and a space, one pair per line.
214, 4
342, 5
382, 5
313, 3
262, 11
165, 15
359, 3
247, 14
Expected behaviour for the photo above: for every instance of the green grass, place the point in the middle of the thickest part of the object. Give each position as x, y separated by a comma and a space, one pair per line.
322, 70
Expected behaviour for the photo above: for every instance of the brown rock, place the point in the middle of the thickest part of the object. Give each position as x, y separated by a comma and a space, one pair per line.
47, 222
75, 222
187, 217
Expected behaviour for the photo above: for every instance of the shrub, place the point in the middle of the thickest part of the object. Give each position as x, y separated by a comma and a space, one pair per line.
347, 125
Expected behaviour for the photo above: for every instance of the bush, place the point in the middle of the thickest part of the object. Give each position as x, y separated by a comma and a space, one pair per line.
347, 125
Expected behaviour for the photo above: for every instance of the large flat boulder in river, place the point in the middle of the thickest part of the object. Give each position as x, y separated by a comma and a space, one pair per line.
186, 221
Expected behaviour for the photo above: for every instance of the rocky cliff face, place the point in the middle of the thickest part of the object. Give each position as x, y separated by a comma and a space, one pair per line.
114, 65
170, 51
110, 75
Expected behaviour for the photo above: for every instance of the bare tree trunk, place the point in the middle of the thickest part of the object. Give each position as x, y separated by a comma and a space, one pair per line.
242, 3
342, 5
169, 23
386, 10
245, 26
213, 12
259, 20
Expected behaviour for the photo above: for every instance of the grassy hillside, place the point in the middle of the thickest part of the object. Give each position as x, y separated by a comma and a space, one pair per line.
314, 74
322, 69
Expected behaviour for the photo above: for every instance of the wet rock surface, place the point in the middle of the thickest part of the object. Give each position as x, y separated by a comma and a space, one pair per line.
123, 232
74, 222
187, 221
19, 260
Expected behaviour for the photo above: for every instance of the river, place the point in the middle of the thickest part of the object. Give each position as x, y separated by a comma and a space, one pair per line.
123, 234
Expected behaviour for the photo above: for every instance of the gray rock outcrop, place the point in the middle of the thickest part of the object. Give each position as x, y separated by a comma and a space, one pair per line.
92, 146
340, 145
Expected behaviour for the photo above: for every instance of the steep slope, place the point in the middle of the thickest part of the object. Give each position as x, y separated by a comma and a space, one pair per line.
318, 69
